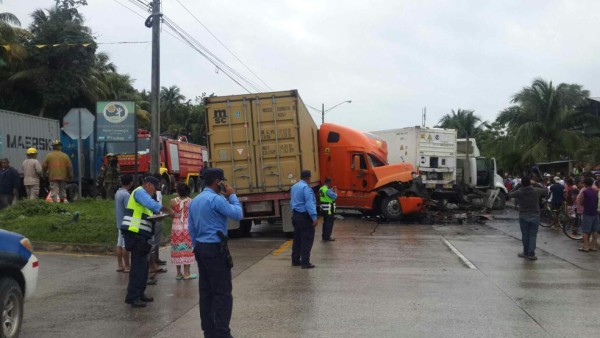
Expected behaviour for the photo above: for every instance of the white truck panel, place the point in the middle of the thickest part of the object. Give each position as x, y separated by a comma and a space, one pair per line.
431, 150
18, 132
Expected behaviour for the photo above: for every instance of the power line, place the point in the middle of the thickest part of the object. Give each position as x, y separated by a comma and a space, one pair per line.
222, 44
220, 64
206, 56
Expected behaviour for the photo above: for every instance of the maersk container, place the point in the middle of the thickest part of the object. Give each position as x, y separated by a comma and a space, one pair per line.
18, 132
431, 150
262, 141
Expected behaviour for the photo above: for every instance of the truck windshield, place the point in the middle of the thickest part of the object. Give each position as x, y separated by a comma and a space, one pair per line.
375, 162
129, 147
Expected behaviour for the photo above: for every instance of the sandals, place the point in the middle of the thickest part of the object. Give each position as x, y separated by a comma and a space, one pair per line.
179, 277
583, 250
159, 270
190, 276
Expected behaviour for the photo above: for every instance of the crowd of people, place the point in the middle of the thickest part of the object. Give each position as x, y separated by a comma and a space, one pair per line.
577, 194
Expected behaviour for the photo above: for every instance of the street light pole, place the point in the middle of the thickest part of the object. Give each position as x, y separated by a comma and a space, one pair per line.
155, 89
322, 113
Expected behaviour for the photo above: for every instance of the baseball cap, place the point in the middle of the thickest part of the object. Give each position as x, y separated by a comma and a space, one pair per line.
153, 180
556, 179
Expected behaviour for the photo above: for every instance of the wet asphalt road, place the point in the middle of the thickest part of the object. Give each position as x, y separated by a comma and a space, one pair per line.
375, 280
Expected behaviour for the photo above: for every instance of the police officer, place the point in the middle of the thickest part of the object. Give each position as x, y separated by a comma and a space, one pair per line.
304, 220
137, 230
208, 213
327, 197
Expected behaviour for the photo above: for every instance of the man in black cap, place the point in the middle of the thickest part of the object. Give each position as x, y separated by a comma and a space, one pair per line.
304, 220
138, 230
207, 223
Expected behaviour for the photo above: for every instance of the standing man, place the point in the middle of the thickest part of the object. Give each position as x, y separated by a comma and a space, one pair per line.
557, 191
59, 170
202, 175
207, 224
121, 200
32, 171
110, 173
327, 197
9, 183
588, 198
304, 220
528, 198
137, 231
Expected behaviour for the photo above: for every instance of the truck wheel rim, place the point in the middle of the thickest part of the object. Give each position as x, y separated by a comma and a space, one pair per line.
10, 315
394, 207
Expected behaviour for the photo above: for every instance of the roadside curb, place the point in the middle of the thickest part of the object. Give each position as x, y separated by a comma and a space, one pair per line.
74, 248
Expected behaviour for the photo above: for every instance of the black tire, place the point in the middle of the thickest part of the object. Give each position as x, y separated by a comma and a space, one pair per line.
573, 228
246, 227
545, 217
192, 185
11, 308
391, 208
165, 185
500, 202
72, 192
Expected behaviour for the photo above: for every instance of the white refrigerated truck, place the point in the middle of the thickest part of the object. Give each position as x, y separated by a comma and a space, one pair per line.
444, 166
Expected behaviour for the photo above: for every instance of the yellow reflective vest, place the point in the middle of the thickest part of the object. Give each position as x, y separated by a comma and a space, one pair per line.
327, 204
136, 217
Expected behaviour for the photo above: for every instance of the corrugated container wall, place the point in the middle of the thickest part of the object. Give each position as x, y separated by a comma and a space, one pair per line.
262, 141
18, 132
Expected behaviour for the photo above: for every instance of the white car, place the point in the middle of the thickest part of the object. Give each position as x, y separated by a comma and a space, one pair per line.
18, 280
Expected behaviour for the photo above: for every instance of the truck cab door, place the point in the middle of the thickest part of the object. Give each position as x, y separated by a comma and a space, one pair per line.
360, 179
485, 169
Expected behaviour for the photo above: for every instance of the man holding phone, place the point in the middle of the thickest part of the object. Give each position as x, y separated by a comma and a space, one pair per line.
208, 213
304, 220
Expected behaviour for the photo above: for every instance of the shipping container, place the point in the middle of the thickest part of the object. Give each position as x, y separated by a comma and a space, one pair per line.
262, 141
18, 132
431, 150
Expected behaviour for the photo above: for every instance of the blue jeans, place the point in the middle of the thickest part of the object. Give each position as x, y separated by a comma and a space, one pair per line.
529, 229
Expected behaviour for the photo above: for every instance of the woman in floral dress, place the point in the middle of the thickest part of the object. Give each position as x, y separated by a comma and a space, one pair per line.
181, 244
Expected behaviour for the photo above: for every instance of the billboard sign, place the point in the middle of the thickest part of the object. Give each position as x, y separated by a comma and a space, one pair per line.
115, 121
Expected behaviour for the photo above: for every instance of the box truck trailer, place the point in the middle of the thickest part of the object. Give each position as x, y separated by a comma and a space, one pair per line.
262, 142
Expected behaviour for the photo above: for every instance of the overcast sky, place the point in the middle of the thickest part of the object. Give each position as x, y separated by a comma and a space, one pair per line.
391, 58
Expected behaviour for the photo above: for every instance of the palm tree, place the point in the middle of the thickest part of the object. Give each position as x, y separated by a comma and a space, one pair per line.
11, 37
466, 123
545, 121
170, 98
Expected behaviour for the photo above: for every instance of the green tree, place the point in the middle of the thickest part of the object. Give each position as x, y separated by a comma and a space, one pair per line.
170, 99
466, 123
545, 123
61, 74
11, 38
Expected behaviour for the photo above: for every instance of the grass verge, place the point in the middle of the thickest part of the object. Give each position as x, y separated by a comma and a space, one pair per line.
87, 221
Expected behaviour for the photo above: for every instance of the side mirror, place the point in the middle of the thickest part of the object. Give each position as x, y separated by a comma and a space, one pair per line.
356, 162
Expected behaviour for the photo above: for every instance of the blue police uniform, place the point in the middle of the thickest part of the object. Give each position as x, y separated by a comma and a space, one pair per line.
304, 209
208, 213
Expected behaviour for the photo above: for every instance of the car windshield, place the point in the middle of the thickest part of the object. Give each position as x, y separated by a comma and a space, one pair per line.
129, 147
375, 162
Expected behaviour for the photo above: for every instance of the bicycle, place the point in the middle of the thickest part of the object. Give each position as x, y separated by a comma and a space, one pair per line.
549, 217
572, 227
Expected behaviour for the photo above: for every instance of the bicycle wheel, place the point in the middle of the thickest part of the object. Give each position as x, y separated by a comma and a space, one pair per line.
563, 218
545, 217
573, 228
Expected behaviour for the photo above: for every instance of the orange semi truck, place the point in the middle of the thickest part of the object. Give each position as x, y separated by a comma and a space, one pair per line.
262, 142
180, 161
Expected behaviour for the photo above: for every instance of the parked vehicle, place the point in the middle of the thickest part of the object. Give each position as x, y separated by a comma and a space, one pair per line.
262, 142
18, 280
180, 161
18, 132
445, 169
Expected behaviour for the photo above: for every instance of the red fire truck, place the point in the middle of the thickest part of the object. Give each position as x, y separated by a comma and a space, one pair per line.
180, 161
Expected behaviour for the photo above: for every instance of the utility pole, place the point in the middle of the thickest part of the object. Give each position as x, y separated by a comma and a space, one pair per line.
155, 89
322, 113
